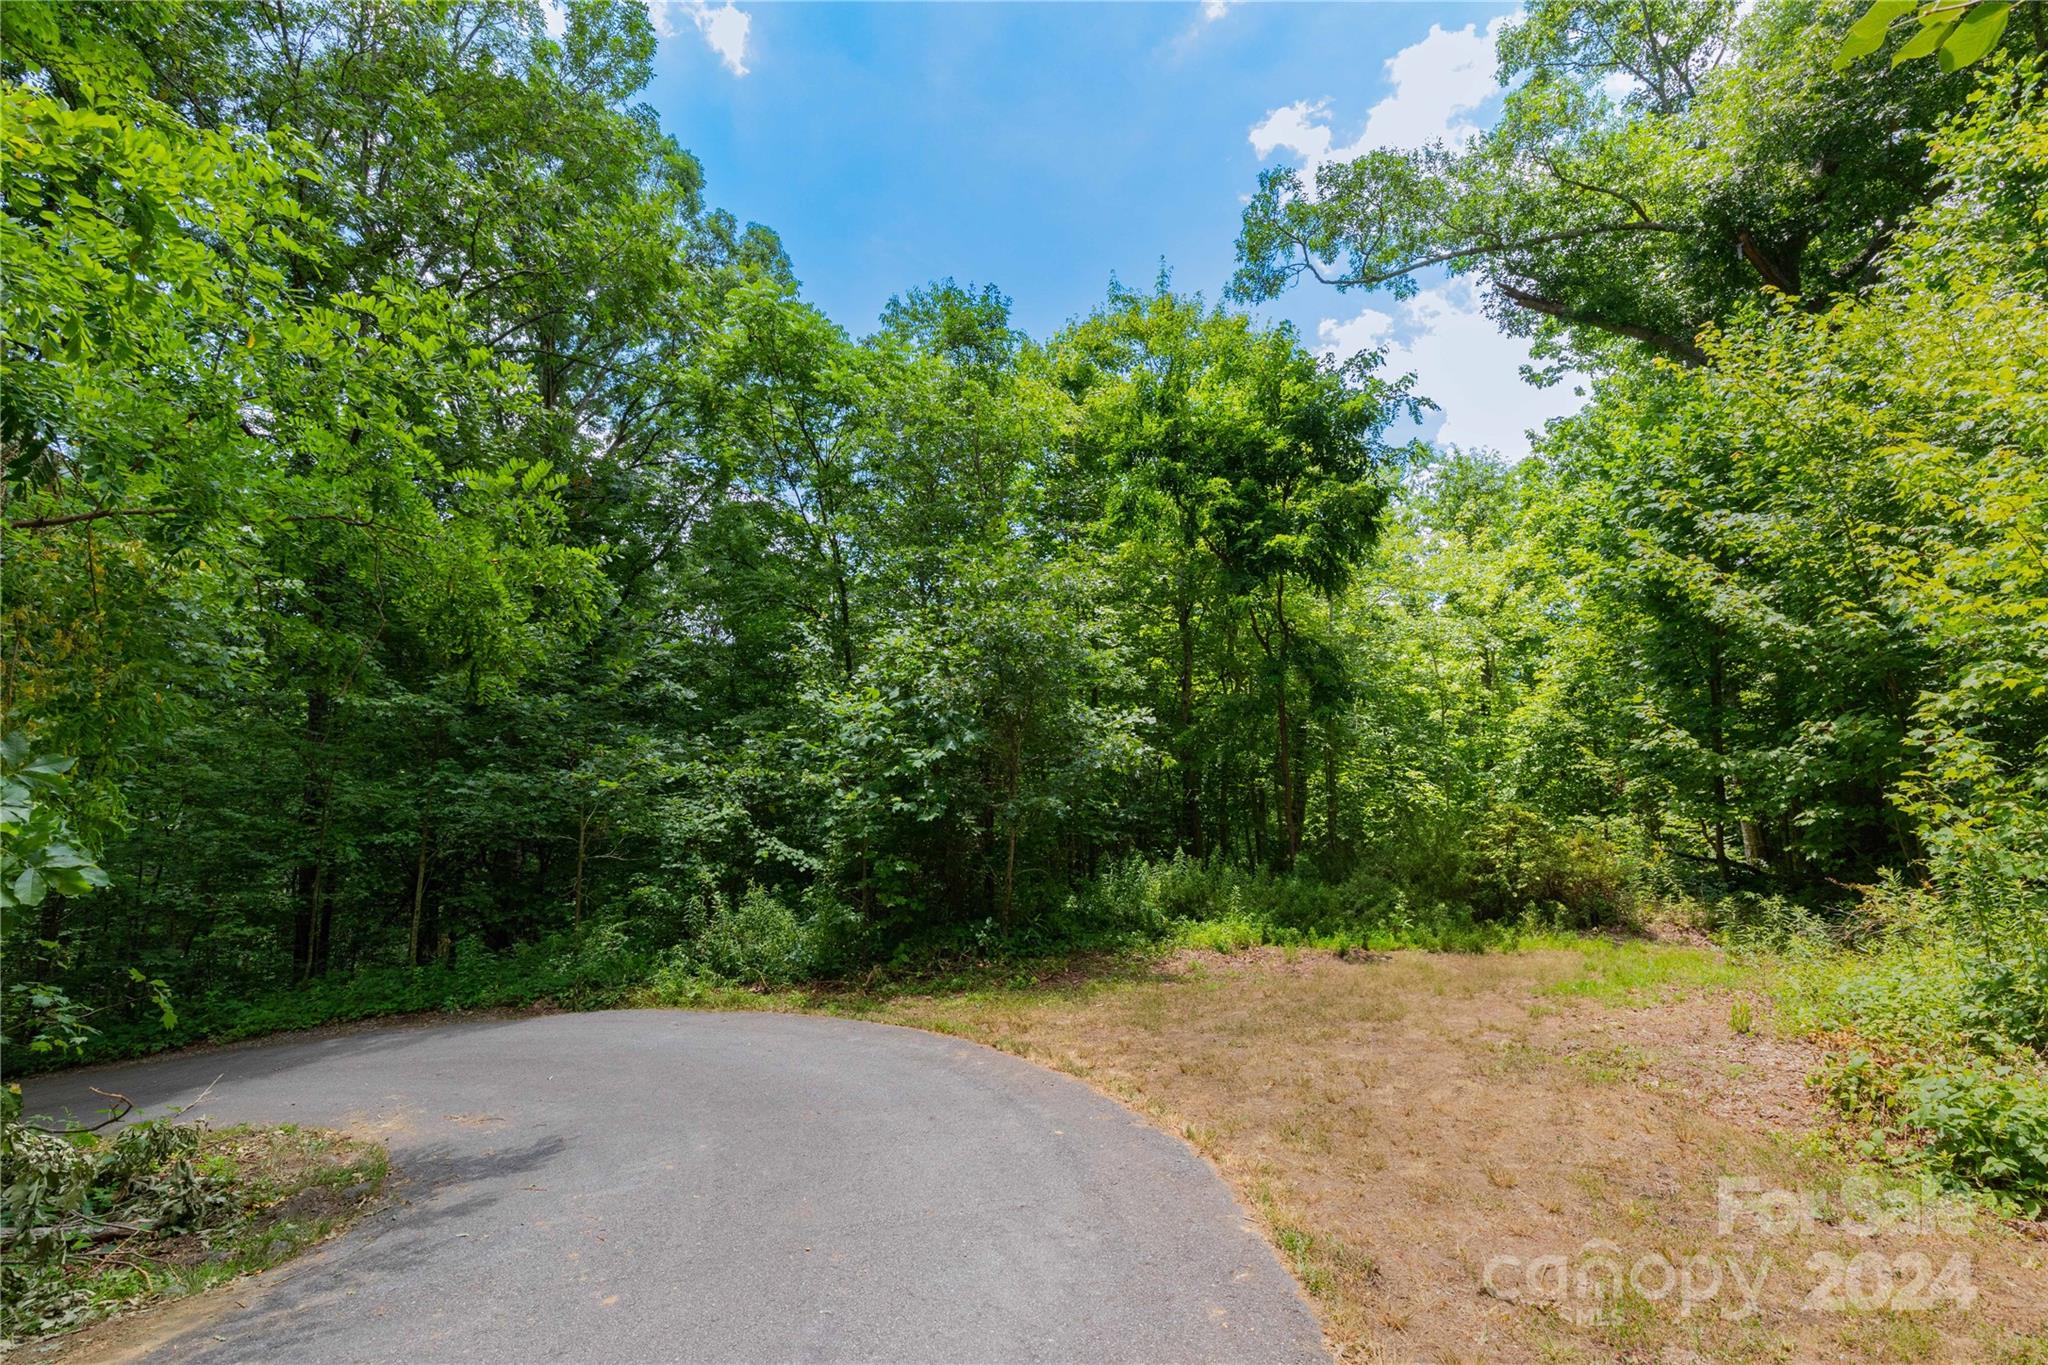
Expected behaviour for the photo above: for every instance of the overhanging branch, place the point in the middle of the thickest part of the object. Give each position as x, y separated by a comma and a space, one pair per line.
1676, 347
72, 519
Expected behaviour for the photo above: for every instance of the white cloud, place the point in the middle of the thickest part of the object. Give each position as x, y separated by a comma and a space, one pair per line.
1462, 361
553, 19
1301, 127
1438, 83
1211, 12
724, 27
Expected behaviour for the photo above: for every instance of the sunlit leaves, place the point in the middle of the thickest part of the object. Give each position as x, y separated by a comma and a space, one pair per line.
1956, 33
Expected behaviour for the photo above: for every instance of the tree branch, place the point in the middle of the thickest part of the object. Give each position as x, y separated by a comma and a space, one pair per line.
1634, 204
45, 523
1776, 276
1851, 273
1681, 350
1493, 248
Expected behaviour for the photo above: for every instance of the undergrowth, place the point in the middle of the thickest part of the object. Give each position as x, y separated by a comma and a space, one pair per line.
1932, 1024
1934, 1035
759, 941
95, 1222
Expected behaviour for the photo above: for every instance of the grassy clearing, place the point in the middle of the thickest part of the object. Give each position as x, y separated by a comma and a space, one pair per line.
1417, 1131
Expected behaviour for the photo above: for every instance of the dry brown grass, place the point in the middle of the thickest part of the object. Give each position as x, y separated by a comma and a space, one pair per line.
1401, 1122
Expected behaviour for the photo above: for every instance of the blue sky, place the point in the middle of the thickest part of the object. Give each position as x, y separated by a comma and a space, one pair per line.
1045, 147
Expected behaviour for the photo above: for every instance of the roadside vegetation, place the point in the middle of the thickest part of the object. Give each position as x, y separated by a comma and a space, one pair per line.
448, 564
99, 1221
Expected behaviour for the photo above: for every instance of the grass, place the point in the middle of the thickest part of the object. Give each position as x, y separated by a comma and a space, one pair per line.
1636, 973
294, 1186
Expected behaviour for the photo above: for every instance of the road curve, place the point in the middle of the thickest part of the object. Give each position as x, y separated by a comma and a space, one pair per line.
665, 1185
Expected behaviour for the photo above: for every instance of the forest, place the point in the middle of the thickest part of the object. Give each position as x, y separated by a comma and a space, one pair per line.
448, 562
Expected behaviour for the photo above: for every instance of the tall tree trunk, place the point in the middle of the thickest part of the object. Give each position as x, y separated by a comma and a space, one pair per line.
309, 877
1283, 771
1718, 744
1190, 775
1010, 877
419, 900
1013, 779
323, 921
582, 853
1333, 843
1222, 819
1258, 822
988, 859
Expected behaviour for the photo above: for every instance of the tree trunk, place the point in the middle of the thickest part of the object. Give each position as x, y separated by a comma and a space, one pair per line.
419, 900
1010, 877
1718, 743
1258, 823
1283, 774
1190, 776
1333, 848
309, 877
582, 853
988, 858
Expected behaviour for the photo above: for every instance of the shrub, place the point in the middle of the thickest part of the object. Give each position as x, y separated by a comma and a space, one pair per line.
1986, 1126
755, 941
1576, 877
1952, 1017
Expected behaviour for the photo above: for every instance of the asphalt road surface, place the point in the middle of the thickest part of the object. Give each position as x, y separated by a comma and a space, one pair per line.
664, 1185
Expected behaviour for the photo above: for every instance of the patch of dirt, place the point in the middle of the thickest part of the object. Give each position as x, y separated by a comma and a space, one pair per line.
1457, 1164
1262, 960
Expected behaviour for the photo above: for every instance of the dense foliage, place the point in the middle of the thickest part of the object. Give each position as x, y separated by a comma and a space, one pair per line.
447, 562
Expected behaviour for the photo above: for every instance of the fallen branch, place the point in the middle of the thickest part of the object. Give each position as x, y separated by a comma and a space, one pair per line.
127, 1108
91, 1232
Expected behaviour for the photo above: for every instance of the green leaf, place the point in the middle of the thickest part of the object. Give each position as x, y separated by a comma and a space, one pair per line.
29, 888
1923, 42
1974, 35
1867, 34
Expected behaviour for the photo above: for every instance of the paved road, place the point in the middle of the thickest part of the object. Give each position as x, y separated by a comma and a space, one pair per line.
664, 1185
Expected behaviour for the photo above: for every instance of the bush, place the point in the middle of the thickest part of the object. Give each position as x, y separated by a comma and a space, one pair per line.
1951, 1016
2004, 921
1987, 1127
1228, 908
1520, 862
584, 969
757, 942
